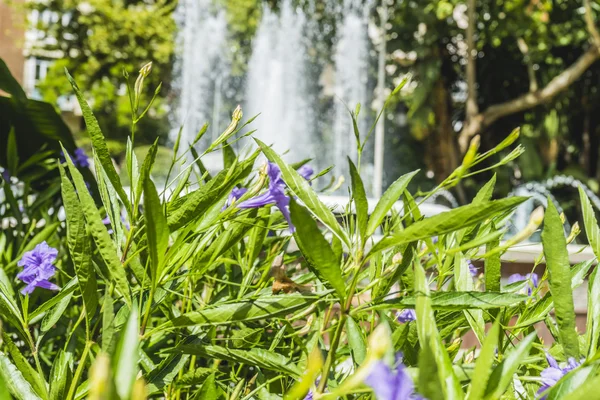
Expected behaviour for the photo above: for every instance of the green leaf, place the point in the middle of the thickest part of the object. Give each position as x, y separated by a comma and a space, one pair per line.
99, 142
316, 250
108, 327
182, 211
60, 375
502, 375
384, 205
66, 291
22, 364
254, 357
14, 380
356, 341
438, 366
583, 386
484, 364
165, 372
264, 307
557, 262
105, 245
458, 301
593, 310
302, 189
492, 267
485, 193
157, 230
125, 362
146, 170
208, 390
54, 314
79, 244
448, 221
361, 204
10, 85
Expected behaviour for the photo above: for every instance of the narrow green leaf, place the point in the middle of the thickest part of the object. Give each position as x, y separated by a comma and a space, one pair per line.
125, 362
458, 301
557, 262
105, 245
254, 357
429, 338
54, 314
14, 380
108, 327
157, 230
208, 390
10, 85
98, 142
146, 170
484, 364
22, 364
485, 193
302, 189
502, 375
316, 250
384, 205
446, 222
50, 304
492, 267
183, 210
60, 375
593, 309
264, 307
79, 244
356, 341
361, 204
585, 387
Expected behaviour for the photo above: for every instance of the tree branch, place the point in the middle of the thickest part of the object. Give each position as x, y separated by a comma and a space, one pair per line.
528, 100
591, 25
533, 85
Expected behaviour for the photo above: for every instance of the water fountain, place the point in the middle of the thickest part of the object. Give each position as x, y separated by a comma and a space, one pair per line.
351, 64
276, 84
202, 68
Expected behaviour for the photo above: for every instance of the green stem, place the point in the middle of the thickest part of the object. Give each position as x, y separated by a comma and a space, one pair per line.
79, 371
332, 352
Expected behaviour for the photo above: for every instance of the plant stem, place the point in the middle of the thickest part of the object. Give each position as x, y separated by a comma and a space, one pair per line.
79, 370
332, 351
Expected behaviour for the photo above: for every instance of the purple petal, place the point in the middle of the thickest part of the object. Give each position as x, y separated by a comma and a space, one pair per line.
258, 201
406, 316
551, 361
306, 171
47, 285
516, 278
382, 380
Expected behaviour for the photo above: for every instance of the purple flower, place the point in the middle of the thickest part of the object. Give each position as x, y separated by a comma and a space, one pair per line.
435, 239
235, 194
389, 385
6, 175
406, 315
472, 269
306, 171
519, 278
552, 374
274, 195
81, 159
38, 268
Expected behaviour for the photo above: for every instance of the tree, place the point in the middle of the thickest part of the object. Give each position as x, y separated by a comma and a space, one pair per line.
487, 67
100, 40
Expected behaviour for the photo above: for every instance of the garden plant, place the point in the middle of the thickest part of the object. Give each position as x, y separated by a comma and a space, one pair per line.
244, 285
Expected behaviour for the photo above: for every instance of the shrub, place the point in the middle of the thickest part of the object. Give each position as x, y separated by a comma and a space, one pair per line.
204, 290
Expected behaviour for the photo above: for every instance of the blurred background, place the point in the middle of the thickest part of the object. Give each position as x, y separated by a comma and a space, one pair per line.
477, 68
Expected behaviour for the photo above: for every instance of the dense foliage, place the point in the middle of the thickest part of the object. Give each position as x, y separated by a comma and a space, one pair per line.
203, 290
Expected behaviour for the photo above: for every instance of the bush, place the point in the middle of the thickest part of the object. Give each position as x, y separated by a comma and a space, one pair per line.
205, 291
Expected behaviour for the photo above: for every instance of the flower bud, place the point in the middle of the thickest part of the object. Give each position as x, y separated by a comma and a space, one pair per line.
237, 114
537, 216
99, 381
575, 230
380, 341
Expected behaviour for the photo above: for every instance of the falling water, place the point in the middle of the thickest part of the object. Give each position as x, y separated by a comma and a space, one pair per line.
351, 71
202, 67
276, 86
